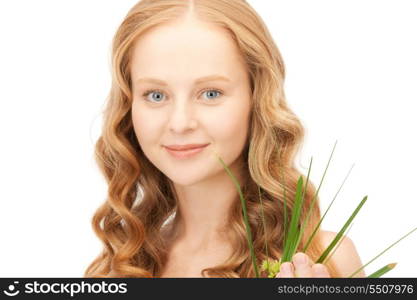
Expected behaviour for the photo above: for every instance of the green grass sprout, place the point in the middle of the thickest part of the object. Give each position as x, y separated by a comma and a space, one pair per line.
383, 270
293, 232
264, 226
337, 246
245, 216
341, 232
293, 229
358, 270
325, 213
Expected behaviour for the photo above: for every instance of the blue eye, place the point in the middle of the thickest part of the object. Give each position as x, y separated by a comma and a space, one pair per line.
146, 94
157, 94
215, 91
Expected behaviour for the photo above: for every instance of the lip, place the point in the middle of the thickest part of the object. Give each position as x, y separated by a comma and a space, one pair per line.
185, 147
190, 150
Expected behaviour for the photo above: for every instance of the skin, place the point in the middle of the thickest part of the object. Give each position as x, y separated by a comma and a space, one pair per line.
302, 266
346, 260
181, 112
184, 113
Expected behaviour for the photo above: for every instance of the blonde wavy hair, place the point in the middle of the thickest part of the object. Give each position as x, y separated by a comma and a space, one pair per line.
130, 223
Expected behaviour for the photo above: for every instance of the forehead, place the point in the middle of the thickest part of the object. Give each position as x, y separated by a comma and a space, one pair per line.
191, 46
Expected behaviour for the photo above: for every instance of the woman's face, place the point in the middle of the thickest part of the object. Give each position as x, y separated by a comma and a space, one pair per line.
178, 107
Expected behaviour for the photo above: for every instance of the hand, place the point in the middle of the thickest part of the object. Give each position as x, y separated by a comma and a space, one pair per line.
302, 266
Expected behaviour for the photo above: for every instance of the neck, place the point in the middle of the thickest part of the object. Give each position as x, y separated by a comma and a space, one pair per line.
203, 212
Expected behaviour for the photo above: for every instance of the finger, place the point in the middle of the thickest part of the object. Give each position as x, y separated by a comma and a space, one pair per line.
302, 263
320, 271
286, 270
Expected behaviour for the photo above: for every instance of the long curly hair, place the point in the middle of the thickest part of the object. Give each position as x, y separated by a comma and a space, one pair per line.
140, 198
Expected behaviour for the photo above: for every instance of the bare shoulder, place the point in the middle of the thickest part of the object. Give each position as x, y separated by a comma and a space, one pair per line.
346, 258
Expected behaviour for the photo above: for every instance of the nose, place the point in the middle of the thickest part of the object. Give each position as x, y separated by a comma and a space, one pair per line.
182, 118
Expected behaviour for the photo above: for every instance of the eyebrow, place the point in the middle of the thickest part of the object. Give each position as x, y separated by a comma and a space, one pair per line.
197, 81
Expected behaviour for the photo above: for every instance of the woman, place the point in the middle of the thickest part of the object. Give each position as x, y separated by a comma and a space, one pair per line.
203, 75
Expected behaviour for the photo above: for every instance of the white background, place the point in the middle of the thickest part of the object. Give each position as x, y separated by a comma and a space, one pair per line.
351, 77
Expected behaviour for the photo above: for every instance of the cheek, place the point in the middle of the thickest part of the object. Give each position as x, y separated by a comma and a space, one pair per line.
144, 125
230, 128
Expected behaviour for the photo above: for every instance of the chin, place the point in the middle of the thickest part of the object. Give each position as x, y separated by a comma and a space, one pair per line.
184, 181
187, 178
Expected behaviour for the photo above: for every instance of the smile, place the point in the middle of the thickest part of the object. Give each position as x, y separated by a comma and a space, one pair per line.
185, 153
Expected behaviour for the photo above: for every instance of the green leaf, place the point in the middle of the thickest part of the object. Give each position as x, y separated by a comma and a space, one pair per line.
382, 271
245, 215
292, 232
325, 213
312, 203
337, 246
358, 270
300, 232
340, 233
